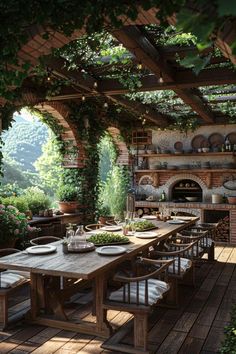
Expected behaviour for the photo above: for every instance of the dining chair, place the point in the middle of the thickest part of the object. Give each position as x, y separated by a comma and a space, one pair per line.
43, 240
181, 271
11, 282
205, 243
92, 227
138, 295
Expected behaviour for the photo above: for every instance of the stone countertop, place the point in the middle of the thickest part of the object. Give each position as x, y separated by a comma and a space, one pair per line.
187, 205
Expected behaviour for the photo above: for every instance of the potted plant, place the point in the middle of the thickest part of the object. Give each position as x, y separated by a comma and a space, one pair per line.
68, 198
104, 213
13, 226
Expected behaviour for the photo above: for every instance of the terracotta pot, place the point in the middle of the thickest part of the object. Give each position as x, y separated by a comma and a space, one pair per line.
104, 219
68, 207
231, 199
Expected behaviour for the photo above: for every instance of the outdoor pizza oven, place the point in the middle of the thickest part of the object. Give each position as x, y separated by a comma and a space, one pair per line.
186, 190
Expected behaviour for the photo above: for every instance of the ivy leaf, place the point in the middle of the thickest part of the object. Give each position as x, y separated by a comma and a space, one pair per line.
226, 7
195, 62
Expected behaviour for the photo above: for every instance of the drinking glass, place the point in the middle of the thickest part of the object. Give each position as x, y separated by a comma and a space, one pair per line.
175, 212
133, 228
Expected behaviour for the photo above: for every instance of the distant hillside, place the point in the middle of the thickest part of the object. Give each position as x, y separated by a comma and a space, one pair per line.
23, 142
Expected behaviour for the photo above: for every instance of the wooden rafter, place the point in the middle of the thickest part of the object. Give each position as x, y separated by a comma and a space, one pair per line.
87, 84
162, 120
134, 40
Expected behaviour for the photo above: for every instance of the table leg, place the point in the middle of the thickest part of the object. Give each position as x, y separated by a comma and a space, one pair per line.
36, 294
102, 325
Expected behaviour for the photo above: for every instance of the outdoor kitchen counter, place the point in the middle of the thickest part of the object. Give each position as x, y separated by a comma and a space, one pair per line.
187, 205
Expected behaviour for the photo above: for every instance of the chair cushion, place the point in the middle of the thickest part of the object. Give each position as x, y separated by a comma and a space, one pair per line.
10, 280
184, 265
23, 273
156, 288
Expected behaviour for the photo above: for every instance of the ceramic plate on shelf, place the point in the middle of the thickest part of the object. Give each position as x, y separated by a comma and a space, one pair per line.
178, 221
147, 234
110, 250
178, 146
41, 249
111, 228
232, 138
149, 217
197, 141
216, 139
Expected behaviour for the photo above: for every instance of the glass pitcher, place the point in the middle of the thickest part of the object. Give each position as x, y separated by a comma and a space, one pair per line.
80, 236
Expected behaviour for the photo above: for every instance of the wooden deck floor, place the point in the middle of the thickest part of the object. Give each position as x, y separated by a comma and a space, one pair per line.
195, 327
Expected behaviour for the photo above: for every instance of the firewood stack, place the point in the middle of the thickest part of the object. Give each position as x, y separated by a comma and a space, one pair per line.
221, 232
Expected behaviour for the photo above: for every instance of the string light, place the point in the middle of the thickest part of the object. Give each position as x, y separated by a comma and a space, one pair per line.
95, 85
49, 73
144, 121
105, 105
83, 98
161, 79
139, 66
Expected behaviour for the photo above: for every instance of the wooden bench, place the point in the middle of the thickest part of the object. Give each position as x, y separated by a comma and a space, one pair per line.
138, 296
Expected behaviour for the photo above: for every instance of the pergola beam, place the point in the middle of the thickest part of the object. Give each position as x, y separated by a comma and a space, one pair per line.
160, 119
134, 40
59, 68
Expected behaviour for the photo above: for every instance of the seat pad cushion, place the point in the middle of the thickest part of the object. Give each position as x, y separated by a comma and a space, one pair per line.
156, 288
180, 268
10, 280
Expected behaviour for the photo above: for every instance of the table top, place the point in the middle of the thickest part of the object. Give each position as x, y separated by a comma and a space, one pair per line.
87, 265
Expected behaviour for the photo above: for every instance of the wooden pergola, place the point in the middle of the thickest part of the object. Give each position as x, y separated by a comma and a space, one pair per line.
160, 71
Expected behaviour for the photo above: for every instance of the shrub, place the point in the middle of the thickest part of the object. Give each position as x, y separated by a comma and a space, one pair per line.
229, 344
36, 200
13, 224
19, 202
68, 193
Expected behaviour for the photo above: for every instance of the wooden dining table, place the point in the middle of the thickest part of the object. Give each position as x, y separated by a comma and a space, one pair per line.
89, 266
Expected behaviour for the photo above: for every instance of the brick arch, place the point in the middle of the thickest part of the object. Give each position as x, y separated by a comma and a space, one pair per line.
172, 180
60, 112
123, 153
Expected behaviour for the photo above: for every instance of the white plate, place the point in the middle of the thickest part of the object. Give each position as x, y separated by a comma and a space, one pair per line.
149, 217
111, 228
41, 249
110, 250
176, 221
146, 234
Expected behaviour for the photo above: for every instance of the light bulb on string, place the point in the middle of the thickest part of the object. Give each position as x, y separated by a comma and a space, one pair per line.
95, 85
161, 79
83, 98
105, 105
49, 73
139, 66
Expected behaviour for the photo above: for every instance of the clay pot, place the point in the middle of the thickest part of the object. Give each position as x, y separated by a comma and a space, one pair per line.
68, 207
104, 219
231, 199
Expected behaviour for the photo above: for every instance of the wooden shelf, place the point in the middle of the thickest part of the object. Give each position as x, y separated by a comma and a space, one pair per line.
186, 188
190, 170
230, 153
